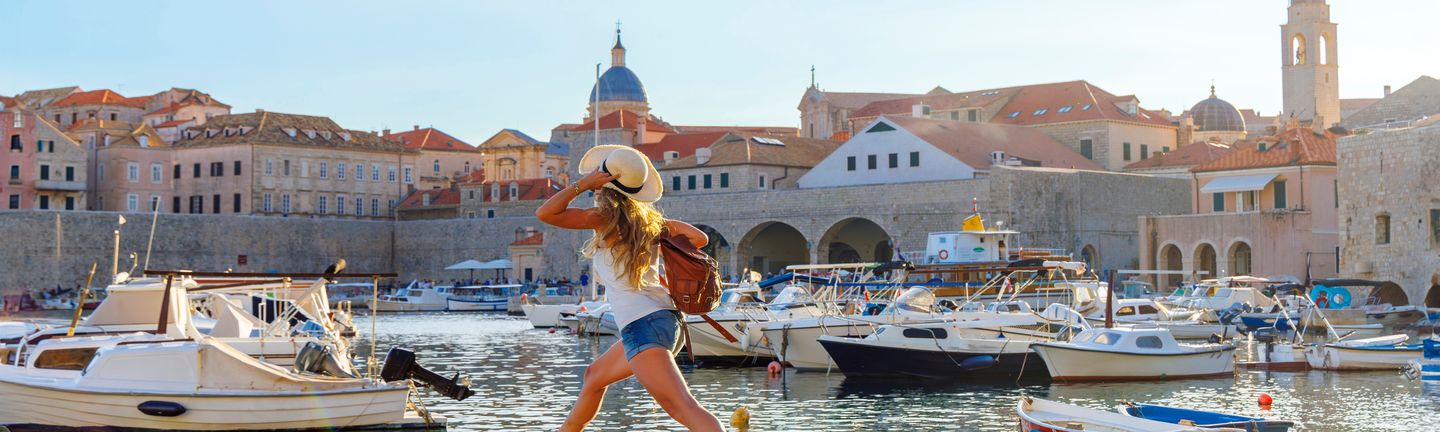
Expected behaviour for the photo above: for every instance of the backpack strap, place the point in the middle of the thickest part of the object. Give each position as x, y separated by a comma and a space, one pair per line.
719, 328
685, 331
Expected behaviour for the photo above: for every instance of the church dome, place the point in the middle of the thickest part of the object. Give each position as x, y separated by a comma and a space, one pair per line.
620, 84
1215, 114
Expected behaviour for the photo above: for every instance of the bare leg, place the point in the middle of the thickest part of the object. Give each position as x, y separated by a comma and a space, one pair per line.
656, 370
607, 369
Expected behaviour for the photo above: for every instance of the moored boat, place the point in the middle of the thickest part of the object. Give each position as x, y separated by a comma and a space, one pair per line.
482, 298
1206, 419
414, 298
1376, 353
1050, 416
1131, 353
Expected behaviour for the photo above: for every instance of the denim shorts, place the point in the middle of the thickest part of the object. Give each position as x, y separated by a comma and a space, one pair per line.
659, 329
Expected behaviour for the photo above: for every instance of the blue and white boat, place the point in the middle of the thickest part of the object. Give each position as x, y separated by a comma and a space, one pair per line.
1204, 419
1427, 367
490, 298
1377, 353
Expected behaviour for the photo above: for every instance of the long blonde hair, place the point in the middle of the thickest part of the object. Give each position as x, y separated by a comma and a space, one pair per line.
634, 226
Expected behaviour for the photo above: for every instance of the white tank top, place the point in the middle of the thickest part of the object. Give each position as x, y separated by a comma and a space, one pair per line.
627, 302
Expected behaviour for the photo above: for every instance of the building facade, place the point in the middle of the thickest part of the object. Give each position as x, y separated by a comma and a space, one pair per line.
1309, 63
135, 171
741, 162
442, 158
45, 169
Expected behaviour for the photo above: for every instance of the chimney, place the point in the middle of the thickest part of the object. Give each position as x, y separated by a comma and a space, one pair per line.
259, 110
1387, 90
702, 155
417, 127
386, 132
640, 129
919, 110
1318, 125
997, 157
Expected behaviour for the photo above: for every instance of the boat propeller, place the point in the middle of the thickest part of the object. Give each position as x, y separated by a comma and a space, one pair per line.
400, 364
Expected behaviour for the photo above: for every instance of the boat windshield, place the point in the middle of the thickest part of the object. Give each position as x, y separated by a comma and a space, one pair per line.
916, 299
737, 296
793, 295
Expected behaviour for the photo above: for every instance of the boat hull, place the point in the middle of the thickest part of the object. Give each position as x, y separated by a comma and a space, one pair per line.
1331, 357
1067, 363
707, 343
799, 346
31, 405
542, 316
860, 359
461, 305
393, 306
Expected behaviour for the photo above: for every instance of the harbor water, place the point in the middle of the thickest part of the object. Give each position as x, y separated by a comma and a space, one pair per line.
525, 379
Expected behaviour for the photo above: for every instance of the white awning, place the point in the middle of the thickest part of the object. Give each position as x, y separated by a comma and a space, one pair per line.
1238, 183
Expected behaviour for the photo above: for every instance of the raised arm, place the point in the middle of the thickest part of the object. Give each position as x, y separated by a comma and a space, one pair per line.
556, 210
696, 237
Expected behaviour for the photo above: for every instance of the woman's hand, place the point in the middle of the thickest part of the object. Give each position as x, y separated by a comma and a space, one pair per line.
595, 180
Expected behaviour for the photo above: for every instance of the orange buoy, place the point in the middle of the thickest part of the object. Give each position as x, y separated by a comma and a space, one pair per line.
1265, 400
774, 368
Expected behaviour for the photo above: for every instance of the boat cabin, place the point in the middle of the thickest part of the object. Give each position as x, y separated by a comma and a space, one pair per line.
956, 247
1128, 339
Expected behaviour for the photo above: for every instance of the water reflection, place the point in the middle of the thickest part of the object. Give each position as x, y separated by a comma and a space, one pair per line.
525, 379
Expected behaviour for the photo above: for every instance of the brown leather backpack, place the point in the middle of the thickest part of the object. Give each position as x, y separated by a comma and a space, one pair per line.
693, 278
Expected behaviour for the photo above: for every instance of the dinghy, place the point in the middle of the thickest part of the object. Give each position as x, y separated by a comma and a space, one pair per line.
1201, 418
1376, 353
1050, 416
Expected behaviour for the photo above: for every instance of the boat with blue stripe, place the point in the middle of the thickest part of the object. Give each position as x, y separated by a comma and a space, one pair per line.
1204, 419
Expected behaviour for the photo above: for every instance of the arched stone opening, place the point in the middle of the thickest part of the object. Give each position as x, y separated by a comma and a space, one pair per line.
1205, 261
1090, 256
771, 246
1297, 50
1432, 296
1240, 259
1324, 49
1391, 293
1170, 259
719, 248
855, 240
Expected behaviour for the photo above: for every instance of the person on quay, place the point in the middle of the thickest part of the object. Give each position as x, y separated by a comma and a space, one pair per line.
626, 260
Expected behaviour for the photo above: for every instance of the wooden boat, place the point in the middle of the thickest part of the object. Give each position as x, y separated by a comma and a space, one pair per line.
1131, 353
1376, 353
1201, 418
1049, 416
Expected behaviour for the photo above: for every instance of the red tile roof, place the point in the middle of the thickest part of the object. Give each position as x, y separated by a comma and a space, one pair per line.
9, 102
852, 100
625, 119
93, 97
429, 139
529, 189
1085, 102
174, 123
137, 102
1294, 146
474, 176
167, 109
972, 143
532, 240
770, 130
438, 198
683, 143
1197, 153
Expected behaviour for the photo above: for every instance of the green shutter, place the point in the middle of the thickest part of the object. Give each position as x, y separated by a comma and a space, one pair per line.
850, 163
1144, 151
675, 183
1219, 202
724, 180
1280, 203
1126, 151
1087, 149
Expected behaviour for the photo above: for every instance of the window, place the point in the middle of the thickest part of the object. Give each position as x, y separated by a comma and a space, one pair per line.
880, 127
1064, 109
235, 202
39, 146
269, 167
132, 172
1086, 107
285, 204
691, 181
374, 172
1147, 310
44, 172
215, 204
974, 115
1382, 229
69, 203
707, 181
157, 173
304, 168
870, 161
374, 207
954, 115
762, 181
1280, 203
359, 206
1435, 226
894, 160
724, 180
1217, 202
14, 172
1125, 150
409, 175
132, 202
339, 204
914, 159
1165, 149
266, 203
1087, 148
44, 202
286, 168
1149, 342
391, 206
65, 359
391, 174
217, 169
340, 170
15, 145
320, 205
359, 172
175, 204
1013, 114
1144, 151
925, 333
237, 168
437, 167
324, 168
14, 201
195, 171
850, 163
1040, 112
176, 170
100, 171
675, 183
1108, 338
69, 173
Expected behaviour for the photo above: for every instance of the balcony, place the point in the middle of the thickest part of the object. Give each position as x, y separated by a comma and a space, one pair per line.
60, 185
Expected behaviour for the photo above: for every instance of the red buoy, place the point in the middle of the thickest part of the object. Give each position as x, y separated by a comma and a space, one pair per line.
1265, 400
774, 368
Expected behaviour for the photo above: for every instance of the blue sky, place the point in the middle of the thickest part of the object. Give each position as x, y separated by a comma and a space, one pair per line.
472, 68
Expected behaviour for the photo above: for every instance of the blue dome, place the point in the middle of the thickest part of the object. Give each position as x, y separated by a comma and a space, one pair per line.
620, 84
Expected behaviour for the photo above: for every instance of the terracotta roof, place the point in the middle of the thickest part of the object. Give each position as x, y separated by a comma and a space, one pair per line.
474, 176
9, 102
275, 128
939, 101
1252, 118
772, 130
1293, 147
429, 139
625, 119
1197, 153
445, 197
682, 143
531, 240
167, 109
1084, 101
137, 102
740, 148
174, 123
1356, 104
94, 97
529, 189
45, 97
972, 143
852, 100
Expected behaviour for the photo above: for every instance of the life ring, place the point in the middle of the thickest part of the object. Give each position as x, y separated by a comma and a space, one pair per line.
1323, 301
1340, 298
944, 254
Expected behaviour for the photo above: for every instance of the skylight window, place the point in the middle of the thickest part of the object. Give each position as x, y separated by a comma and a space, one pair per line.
1064, 109
1086, 107
1040, 112
1013, 114
770, 141
990, 93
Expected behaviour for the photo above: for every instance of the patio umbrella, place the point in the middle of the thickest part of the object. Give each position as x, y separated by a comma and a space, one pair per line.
470, 265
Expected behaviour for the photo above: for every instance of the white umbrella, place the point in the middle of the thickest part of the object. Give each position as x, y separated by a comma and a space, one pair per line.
470, 265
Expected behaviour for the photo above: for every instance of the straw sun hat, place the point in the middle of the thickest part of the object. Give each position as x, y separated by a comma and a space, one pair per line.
637, 177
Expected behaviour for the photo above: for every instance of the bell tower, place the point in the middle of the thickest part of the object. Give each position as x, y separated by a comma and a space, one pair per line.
1309, 64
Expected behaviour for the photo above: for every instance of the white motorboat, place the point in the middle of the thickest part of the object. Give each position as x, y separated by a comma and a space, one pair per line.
1133, 353
591, 321
1045, 415
485, 298
744, 320
1183, 324
543, 315
358, 294
1376, 353
414, 298
796, 342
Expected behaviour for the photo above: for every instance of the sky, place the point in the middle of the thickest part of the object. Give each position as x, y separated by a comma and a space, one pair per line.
471, 68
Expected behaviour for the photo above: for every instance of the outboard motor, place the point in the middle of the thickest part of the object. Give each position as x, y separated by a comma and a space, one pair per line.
319, 359
400, 364
1229, 314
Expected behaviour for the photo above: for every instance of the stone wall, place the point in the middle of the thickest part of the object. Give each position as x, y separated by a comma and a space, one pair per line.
1392, 173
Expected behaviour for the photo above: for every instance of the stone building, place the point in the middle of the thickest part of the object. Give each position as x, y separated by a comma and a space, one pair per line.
1412, 103
1390, 208
490, 199
825, 113
512, 155
95, 105
527, 254
1112, 130
1177, 163
739, 162
45, 168
269, 163
438, 203
893, 150
1212, 120
1310, 65
1266, 208
442, 159
171, 111
135, 169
